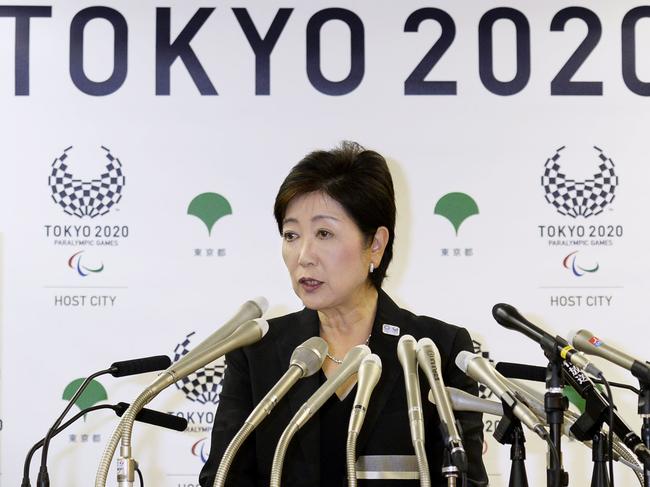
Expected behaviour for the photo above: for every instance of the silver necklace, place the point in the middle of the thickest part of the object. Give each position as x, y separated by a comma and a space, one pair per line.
338, 361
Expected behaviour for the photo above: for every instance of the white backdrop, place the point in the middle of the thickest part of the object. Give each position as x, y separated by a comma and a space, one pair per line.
164, 276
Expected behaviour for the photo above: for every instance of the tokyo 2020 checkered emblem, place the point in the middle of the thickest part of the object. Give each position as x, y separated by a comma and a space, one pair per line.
204, 385
86, 198
579, 198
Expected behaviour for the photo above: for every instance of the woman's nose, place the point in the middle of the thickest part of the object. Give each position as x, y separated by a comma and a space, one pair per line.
307, 253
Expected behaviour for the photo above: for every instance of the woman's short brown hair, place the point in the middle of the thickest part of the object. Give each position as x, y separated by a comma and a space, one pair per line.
359, 180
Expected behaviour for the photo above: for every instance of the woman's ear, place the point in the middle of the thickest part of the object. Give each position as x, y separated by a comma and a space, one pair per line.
378, 244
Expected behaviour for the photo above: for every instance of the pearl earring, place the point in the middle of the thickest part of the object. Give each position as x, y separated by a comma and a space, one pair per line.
372, 268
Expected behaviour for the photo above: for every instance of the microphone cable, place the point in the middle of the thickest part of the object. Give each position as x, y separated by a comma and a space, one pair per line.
30, 453
137, 470
551, 446
610, 431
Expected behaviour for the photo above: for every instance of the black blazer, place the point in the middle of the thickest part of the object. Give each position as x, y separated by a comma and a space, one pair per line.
253, 370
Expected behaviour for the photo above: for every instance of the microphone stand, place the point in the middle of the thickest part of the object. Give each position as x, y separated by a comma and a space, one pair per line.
644, 412
599, 477
449, 470
510, 432
555, 403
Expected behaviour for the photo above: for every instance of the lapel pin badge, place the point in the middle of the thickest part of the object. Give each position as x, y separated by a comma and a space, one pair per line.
390, 329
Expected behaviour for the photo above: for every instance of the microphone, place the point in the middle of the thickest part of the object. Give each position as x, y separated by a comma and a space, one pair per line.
508, 317
349, 366
407, 357
140, 365
248, 311
250, 332
246, 334
306, 360
369, 373
587, 342
429, 359
464, 401
482, 371
155, 418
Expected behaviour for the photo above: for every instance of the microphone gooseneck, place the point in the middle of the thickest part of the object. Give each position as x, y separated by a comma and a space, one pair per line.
350, 365
369, 374
305, 361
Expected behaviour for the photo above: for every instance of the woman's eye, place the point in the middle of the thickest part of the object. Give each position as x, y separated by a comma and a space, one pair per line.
324, 234
289, 236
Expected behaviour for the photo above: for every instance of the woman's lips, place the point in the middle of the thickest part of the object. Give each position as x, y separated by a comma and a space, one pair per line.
309, 285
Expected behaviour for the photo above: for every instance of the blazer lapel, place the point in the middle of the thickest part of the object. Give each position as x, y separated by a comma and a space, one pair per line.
384, 345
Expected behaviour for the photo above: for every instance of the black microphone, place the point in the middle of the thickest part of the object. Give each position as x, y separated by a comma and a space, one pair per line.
156, 418
508, 317
140, 365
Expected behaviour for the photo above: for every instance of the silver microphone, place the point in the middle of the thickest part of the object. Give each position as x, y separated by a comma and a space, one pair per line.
479, 369
246, 334
350, 365
250, 310
588, 343
464, 401
369, 373
407, 357
429, 359
306, 360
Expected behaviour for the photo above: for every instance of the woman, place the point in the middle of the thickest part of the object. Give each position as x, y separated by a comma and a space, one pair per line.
336, 214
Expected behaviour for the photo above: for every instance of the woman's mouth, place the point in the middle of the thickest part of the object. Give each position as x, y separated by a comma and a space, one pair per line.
308, 284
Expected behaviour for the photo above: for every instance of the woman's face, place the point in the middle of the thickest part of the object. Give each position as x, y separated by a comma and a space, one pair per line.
325, 252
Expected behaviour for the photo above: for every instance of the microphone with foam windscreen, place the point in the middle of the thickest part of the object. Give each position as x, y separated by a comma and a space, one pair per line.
508, 317
587, 342
306, 360
125, 368
429, 359
406, 354
349, 366
369, 373
479, 369
246, 334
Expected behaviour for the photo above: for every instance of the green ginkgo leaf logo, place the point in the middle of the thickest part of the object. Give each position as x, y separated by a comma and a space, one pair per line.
456, 207
209, 208
93, 394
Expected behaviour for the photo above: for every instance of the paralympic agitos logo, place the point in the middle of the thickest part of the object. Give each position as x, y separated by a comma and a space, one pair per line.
86, 198
579, 198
